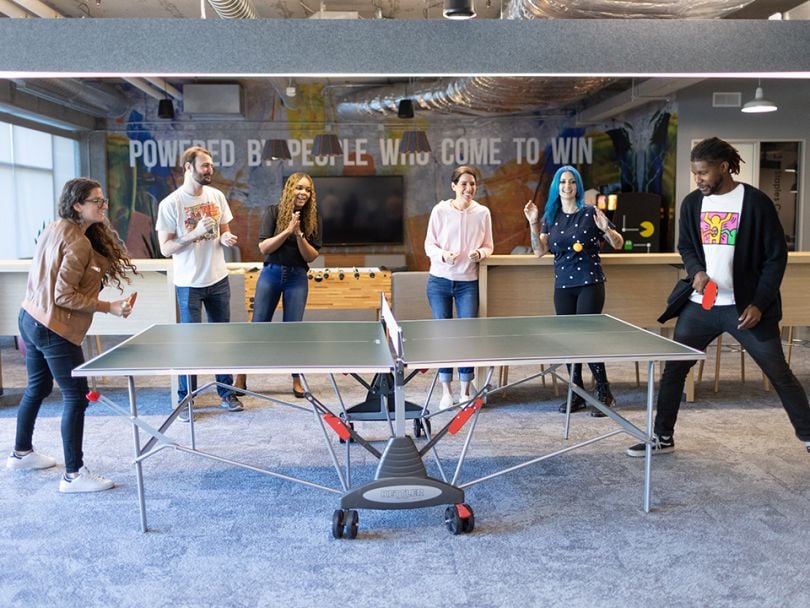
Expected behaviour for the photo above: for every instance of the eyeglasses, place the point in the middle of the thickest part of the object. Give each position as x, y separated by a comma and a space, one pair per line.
98, 202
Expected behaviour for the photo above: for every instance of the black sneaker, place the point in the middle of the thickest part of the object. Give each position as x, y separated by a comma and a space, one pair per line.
577, 404
661, 445
231, 403
605, 396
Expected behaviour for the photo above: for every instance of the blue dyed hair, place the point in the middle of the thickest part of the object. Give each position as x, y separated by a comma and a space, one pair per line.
553, 203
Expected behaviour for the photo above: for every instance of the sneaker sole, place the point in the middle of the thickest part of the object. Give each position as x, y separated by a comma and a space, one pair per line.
643, 453
14, 466
70, 490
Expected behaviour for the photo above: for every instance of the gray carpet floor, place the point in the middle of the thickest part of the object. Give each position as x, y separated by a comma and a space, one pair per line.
728, 525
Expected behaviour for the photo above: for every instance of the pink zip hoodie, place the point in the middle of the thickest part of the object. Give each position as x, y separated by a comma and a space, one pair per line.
460, 232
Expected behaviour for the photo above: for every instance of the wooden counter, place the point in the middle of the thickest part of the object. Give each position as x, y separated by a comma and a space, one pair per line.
637, 287
636, 290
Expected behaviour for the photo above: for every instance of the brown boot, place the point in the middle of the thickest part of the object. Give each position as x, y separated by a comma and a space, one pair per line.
298, 389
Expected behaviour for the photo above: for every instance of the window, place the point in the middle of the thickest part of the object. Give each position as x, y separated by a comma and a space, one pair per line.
33, 167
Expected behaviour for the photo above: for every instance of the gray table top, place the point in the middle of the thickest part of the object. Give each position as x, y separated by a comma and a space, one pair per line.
360, 347
534, 340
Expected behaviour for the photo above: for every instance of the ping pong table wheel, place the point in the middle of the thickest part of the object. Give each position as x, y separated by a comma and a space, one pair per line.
421, 426
338, 519
468, 522
352, 521
459, 519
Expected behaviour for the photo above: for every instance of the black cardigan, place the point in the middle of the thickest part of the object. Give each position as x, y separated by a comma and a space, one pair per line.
760, 253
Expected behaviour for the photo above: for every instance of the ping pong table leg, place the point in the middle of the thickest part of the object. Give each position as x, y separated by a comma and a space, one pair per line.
649, 431
136, 441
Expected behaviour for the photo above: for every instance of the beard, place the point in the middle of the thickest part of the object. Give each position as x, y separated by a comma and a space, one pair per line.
204, 179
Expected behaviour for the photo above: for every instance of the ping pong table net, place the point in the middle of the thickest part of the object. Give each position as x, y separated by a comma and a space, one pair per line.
393, 331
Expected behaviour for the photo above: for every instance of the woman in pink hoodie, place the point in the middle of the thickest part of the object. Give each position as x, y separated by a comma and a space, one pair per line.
459, 236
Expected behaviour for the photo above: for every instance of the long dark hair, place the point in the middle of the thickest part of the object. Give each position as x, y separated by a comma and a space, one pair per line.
103, 238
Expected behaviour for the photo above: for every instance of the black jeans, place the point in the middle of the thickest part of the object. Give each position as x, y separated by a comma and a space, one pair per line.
49, 356
583, 300
697, 328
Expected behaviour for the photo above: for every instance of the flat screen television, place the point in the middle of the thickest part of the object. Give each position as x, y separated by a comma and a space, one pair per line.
361, 209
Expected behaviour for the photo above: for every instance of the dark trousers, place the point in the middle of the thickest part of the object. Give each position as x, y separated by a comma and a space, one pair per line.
697, 328
584, 300
217, 301
49, 357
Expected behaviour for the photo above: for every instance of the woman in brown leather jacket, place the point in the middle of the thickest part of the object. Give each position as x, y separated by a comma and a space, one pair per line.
76, 256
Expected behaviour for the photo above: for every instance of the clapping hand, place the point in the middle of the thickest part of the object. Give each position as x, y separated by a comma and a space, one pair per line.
205, 225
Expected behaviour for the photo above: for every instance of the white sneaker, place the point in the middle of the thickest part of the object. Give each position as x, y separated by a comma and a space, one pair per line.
31, 461
85, 482
807, 445
446, 402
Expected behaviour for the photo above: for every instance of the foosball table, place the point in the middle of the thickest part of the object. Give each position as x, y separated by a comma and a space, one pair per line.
335, 288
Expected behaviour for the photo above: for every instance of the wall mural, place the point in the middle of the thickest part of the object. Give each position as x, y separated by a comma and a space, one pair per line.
517, 158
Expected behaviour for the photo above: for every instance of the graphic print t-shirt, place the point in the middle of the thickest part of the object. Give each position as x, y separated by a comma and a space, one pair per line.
202, 263
719, 223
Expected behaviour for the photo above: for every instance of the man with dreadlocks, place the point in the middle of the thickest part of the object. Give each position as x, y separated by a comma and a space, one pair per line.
729, 233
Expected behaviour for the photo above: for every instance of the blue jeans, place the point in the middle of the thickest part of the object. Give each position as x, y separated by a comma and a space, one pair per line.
217, 301
697, 328
441, 293
276, 282
49, 356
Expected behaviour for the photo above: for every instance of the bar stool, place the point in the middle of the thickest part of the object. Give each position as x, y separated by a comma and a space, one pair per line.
732, 348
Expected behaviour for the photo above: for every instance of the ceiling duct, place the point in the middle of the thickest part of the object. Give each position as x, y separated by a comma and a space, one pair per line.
95, 99
476, 96
622, 9
234, 9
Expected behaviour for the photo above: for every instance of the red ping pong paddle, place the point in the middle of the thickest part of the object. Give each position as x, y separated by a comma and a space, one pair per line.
709, 295
132, 299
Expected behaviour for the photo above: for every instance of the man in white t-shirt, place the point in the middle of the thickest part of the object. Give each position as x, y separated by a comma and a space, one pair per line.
192, 228
729, 233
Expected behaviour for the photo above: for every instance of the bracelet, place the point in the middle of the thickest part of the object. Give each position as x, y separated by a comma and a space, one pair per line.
299, 236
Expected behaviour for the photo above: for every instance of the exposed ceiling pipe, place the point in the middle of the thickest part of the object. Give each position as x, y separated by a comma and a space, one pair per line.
146, 87
9, 9
82, 96
40, 9
476, 96
622, 9
234, 9
164, 86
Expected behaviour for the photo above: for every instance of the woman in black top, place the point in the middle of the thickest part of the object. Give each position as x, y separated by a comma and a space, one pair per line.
289, 238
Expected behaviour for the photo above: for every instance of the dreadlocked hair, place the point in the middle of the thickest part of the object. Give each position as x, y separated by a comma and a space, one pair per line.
715, 150
286, 207
102, 236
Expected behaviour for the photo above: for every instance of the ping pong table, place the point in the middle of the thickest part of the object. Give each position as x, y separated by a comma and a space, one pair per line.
395, 349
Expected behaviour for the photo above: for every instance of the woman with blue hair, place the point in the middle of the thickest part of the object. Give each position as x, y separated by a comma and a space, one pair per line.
573, 232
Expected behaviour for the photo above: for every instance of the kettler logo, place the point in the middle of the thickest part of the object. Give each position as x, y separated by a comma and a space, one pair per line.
401, 494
